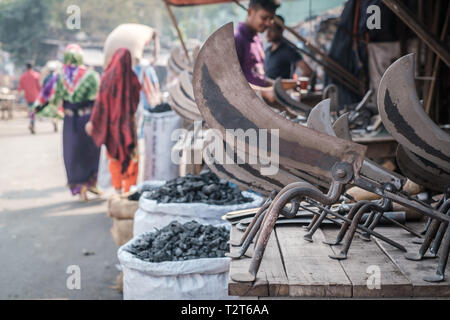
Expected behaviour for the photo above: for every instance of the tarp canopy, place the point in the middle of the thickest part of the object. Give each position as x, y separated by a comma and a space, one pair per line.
194, 2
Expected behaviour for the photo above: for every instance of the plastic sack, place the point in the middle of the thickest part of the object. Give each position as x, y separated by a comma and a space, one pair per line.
104, 176
195, 279
152, 214
157, 129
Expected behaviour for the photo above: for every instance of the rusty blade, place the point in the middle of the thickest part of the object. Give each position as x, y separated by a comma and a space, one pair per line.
226, 101
285, 100
404, 117
183, 112
182, 105
179, 60
186, 85
249, 176
341, 129
331, 92
320, 119
425, 173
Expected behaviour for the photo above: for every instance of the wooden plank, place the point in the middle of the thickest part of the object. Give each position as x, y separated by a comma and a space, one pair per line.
414, 270
363, 256
271, 279
310, 272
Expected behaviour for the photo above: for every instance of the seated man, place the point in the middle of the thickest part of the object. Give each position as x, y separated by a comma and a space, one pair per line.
249, 43
281, 57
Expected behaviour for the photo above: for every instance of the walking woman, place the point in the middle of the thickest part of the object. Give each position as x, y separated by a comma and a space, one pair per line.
113, 121
77, 87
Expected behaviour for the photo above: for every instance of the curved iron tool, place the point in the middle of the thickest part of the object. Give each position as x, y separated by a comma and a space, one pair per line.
186, 85
226, 101
356, 215
182, 112
424, 174
430, 235
320, 119
179, 60
285, 100
331, 92
404, 117
341, 129
182, 105
297, 191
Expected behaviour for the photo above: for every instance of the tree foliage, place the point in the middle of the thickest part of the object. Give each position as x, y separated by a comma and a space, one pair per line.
23, 24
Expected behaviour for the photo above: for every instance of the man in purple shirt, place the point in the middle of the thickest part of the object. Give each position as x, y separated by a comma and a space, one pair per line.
249, 46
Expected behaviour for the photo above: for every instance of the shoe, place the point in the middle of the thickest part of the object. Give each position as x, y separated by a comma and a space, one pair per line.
95, 190
83, 194
31, 128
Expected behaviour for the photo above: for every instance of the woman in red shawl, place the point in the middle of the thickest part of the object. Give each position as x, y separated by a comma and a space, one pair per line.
113, 123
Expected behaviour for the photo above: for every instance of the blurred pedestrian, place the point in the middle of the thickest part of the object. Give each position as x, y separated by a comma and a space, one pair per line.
29, 84
249, 45
77, 87
113, 119
281, 58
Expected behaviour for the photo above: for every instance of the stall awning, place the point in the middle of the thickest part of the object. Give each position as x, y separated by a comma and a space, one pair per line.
194, 2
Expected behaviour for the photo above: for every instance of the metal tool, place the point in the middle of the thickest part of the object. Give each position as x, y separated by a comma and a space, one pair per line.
226, 101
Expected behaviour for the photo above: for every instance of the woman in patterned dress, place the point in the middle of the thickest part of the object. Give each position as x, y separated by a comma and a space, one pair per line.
76, 86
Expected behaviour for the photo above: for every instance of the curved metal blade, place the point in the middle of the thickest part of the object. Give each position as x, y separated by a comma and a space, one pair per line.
182, 105
186, 85
249, 175
178, 58
320, 119
404, 116
331, 92
341, 129
183, 112
285, 100
407, 162
226, 101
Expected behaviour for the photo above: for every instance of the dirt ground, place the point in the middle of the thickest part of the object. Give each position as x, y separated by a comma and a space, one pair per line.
43, 228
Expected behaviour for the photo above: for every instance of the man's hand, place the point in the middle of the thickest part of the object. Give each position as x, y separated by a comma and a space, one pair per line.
289, 84
88, 128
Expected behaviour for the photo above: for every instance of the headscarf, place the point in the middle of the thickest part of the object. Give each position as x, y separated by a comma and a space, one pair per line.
72, 72
113, 122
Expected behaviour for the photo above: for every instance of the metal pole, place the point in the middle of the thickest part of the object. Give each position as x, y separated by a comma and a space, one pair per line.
175, 24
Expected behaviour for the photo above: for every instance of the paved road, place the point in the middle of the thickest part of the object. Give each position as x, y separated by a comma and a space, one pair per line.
43, 229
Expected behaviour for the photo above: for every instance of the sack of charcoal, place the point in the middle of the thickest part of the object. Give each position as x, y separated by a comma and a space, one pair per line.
157, 164
178, 262
204, 198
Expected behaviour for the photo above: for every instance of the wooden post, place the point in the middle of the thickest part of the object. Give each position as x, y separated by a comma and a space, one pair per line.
428, 38
436, 65
175, 24
430, 55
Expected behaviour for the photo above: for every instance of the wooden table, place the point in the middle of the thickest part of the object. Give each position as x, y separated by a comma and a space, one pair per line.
294, 267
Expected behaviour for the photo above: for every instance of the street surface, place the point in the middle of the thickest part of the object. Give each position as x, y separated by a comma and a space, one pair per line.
43, 228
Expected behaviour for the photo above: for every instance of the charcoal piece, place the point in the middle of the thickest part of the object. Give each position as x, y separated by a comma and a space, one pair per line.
134, 196
165, 199
178, 252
